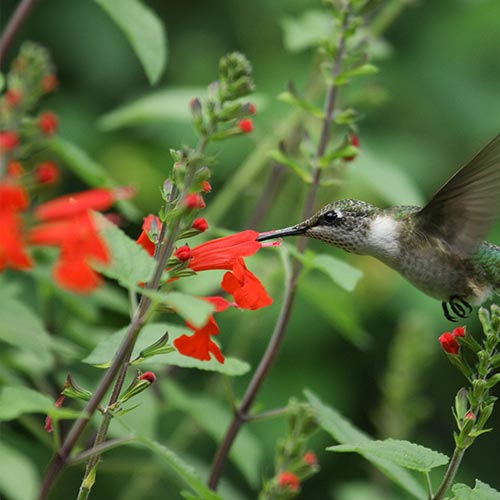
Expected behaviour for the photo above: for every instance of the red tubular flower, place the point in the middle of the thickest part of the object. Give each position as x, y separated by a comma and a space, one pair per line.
206, 186
289, 480
449, 343
79, 203
47, 173
80, 243
50, 83
459, 331
48, 123
183, 253
150, 228
13, 97
149, 376
194, 200
245, 287
9, 140
13, 199
222, 253
246, 125
200, 225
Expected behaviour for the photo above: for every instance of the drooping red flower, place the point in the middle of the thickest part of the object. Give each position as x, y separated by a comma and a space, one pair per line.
200, 224
449, 343
47, 172
80, 244
9, 140
150, 228
289, 480
13, 199
13, 97
245, 287
194, 200
246, 125
222, 253
76, 204
48, 123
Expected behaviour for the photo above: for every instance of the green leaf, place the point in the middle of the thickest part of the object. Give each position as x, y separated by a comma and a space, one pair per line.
295, 100
363, 70
481, 491
214, 419
18, 475
170, 104
104, 352
341, 273
344, 152
130, 264
192, 309
306, 31
22, 328
89, 171
15, 401
408, 455
184, 470
280, 157
344, 432
143, 30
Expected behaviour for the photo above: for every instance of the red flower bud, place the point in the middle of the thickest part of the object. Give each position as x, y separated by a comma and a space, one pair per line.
246, 125
194, 200
459, 331
50, 83
470, 416
449, 343
9, 140
310, 458
200, 224
356, 143
206, 186
47, 172
13, 97
149, 376
252, 108
289, 480
48, 123
183, 253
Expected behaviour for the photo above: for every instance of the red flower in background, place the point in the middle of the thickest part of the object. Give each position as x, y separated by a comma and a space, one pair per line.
289, 480
48, 123
9, 140
449, 343
47, 172
151, 226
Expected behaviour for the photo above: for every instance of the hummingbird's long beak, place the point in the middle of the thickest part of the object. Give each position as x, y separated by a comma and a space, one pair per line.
280, 233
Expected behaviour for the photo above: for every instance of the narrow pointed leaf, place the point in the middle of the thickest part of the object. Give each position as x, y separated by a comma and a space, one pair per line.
295, 100
280, 157
144, 31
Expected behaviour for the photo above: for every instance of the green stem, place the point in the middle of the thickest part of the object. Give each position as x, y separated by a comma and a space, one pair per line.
456, 459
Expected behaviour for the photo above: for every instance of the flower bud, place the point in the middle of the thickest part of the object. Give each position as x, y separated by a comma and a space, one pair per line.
183, 253
47, 173
48, 123
194, 200
50, 83
356, 143
9, 140
149, 377
449, 343
246, 125
200, 225
206, 186
289, 480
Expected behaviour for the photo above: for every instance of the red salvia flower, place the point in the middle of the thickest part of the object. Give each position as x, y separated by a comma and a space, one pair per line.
222, 253
206, 186
151, 225
79, 203
200, 224
47, 173
459, 331
289, 480
245, 287
9, 140
194, 200
48, 123
245, 125
449, 343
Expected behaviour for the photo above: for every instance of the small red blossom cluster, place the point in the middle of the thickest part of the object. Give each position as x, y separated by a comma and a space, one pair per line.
449, 340
66, 223
289, 480
224, 254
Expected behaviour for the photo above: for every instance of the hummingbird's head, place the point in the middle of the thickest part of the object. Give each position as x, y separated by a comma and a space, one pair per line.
345, 224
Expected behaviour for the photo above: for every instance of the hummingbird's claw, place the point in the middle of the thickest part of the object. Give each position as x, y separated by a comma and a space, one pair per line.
458, 305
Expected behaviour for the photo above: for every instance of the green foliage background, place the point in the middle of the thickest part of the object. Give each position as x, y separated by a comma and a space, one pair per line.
373, 353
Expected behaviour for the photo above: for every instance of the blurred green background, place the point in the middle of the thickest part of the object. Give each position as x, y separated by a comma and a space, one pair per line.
373, 354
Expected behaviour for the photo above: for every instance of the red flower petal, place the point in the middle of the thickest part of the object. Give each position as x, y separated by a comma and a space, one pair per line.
12, 252
449, 343
151, 225
199, 346
74, 273
289, 480
246, 288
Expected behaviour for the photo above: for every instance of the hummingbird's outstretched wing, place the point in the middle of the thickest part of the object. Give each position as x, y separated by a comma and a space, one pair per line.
463, 211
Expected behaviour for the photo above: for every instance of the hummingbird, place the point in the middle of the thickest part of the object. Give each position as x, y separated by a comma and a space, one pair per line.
438, 248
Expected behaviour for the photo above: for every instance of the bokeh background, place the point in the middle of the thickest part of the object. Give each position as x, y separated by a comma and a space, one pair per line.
373, 354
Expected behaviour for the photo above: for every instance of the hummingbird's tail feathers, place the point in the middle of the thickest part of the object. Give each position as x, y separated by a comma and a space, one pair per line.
463, 211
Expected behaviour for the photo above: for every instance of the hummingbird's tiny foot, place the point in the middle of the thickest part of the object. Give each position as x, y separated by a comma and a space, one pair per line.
447, 314
459, 306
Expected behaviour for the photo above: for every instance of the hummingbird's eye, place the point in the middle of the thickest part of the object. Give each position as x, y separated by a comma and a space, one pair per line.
330, 217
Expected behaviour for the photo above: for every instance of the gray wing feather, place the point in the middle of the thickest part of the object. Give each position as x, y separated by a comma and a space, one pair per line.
464, 210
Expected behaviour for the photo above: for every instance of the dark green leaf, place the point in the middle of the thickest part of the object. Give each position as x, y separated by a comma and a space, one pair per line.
214, 419
18, 475
143, 30
104, 352
89, 171
345, 433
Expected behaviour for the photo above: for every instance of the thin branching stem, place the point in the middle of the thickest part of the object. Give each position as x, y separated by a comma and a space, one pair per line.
456, 459
241, 414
